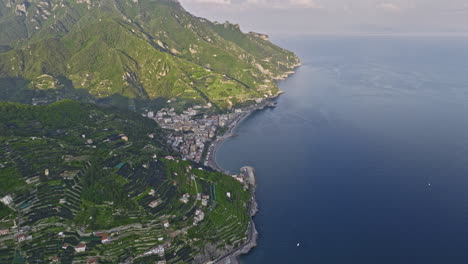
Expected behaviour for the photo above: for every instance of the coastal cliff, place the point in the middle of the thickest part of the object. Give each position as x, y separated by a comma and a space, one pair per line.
233, 256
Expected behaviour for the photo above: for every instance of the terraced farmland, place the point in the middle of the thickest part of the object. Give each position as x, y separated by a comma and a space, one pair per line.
75, 176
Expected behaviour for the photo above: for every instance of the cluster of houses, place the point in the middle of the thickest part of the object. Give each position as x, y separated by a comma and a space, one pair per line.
204, 199
81, 247
159, 250
20, 237
185, 198
199, 216
245, 177
192, 129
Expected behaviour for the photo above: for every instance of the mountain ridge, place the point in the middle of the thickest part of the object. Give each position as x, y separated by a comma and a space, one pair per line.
139, 49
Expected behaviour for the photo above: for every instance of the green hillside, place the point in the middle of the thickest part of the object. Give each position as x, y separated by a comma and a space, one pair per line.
75, 172
142, 49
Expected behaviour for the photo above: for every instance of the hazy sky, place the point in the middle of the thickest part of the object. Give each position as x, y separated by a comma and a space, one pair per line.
337, 16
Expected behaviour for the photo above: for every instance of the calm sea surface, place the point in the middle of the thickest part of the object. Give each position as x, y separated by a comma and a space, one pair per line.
365, 158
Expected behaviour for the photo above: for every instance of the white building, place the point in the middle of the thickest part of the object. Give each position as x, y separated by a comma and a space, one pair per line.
80, 248
7, 200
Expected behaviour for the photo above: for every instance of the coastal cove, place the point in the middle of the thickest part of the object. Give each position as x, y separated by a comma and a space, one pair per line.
350, 165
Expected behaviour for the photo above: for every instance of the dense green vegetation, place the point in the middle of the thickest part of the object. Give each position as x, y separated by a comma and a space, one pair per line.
139, 49
74, 169
73, 172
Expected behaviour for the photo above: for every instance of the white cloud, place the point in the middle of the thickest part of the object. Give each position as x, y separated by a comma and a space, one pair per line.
305, 3
275, 4
218, 2
390, 7
281, 4
337, 16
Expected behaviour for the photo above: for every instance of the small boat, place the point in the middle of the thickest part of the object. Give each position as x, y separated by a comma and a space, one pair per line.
298, 244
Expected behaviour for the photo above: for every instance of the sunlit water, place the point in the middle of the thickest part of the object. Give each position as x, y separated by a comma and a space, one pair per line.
365, 158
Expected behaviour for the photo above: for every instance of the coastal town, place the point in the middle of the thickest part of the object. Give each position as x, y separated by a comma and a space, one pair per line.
194, 132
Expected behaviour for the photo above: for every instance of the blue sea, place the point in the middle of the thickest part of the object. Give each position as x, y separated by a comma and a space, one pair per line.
365, 158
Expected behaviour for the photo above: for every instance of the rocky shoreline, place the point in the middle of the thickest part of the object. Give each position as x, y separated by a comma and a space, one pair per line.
252, 236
